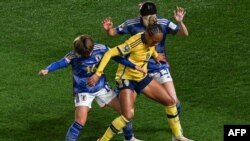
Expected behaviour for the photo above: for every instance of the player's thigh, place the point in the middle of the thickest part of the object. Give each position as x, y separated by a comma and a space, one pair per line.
83, 102
105, 96
115, 104
155, 91
169, 87
127, 100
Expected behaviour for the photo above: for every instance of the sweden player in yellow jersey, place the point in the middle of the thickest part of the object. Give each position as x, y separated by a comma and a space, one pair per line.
138, 49
134, 44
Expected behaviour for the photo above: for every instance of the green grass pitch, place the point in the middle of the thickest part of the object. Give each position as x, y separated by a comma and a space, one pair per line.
210, 68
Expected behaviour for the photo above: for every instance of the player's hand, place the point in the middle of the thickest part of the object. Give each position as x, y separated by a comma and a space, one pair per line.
93, 80
140, 69
43, 72
161, 58
107, 23
179, 14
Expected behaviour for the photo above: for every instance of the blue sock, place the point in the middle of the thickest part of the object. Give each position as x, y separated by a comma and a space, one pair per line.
73, 132
128, 131
178, 105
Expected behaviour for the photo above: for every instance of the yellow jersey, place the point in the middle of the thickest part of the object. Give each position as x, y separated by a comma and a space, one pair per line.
136, 51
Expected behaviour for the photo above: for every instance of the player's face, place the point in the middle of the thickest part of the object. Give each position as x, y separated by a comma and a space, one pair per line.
154, 39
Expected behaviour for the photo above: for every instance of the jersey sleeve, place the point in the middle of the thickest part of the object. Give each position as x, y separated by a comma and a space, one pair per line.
105, 59
124, 61
154, 54
124, 49
172, 28
61, 63
122, 28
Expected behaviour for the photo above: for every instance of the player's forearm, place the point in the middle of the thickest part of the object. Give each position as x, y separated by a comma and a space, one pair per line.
57, 65
124, 61
111, 32
183, 29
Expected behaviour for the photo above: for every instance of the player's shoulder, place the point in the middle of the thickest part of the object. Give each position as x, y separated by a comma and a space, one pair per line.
133, 21
135, 39
71, 55
163, 21
98, 46
136, 36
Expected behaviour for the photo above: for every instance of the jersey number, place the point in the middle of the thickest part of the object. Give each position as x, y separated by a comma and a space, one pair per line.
91, 69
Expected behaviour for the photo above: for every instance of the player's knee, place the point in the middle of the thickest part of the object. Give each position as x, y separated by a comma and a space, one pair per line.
172, 101
80, 119
129, 115
169, 101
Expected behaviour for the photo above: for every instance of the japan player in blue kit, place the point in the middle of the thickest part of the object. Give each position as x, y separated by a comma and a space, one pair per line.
160, 72
84, 60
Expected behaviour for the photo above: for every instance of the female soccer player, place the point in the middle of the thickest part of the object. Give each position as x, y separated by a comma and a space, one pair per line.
160, 72
138, 49
84, 60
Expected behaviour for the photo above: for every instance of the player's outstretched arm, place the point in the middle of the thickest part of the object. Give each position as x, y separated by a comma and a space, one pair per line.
108, 26
179, 14
54, 66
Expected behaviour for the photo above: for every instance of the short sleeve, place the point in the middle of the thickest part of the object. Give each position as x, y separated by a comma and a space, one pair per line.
124, 49
122, 28
173, 28
68, 57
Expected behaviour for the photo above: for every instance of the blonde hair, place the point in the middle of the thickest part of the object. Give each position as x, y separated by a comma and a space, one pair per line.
149, 20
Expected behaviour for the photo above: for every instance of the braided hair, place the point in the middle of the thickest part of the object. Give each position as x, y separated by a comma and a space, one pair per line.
153, 27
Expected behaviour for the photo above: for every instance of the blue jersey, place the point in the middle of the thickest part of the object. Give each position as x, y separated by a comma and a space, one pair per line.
134, 26
85, 67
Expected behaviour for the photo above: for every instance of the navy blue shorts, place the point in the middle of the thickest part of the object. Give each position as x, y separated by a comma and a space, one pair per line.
133, 85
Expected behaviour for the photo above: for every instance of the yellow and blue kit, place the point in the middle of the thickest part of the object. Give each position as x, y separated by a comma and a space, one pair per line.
134, 26
137, 52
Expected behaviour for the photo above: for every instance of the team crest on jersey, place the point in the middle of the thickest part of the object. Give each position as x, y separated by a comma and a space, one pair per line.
126, 48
